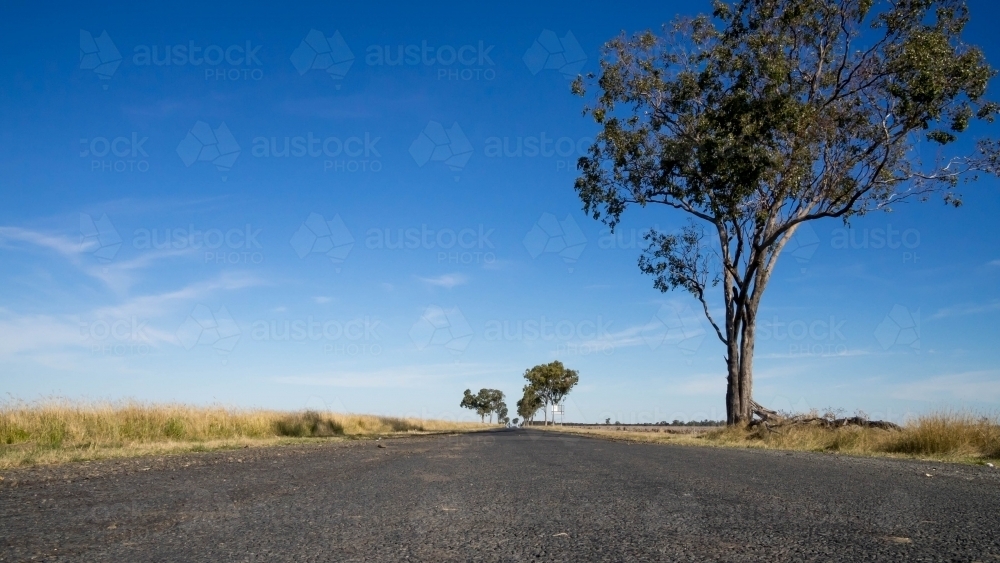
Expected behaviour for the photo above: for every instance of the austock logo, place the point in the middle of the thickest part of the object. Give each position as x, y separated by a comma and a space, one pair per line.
901, 327
437, 144
551, 52
674, 325
442, 327
204, 144
328, 54
205, 328
319, 236
99, 237
803, 244
565, 149
462, 63
100, 55
231, 62
550, 235
357, 153
118, 154
311, 329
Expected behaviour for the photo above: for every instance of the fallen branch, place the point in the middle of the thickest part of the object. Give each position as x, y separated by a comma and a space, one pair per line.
772, 421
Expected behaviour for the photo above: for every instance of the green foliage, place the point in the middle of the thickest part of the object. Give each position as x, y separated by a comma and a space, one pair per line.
771, 113
550, 382
486, 402
54, 433
174, 428
13, 434
529, 404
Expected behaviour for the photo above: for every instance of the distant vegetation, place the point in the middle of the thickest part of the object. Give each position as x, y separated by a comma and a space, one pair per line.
486, 403
706, 422
946, 436
547, 384
58, 430
529, 403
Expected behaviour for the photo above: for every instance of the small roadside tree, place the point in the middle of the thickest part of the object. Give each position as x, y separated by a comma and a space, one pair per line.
502, 415
496, 404
771, 114
474, 402
528, 405
551, 382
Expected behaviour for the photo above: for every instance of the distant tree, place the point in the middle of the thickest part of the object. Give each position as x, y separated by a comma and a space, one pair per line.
498, 406
514, 421
474, 402
770, 114
485, 403
551, 382
529, 404
607, 421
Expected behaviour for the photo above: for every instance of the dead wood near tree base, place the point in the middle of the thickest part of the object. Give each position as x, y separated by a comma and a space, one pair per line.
771, 420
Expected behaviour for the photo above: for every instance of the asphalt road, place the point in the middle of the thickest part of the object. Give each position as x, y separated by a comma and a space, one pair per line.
521, 495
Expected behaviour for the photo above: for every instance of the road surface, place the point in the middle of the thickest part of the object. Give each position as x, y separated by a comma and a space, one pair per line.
516, 495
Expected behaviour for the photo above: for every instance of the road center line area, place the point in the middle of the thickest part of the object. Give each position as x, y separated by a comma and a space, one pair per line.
511, 495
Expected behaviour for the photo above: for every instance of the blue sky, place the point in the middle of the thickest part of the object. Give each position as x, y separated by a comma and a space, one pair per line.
281, 218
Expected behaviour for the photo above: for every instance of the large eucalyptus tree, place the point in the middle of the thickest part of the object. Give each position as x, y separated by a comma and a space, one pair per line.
771, 113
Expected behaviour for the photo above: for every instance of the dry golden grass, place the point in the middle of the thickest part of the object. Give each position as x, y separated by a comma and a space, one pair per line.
960, 437
56, 430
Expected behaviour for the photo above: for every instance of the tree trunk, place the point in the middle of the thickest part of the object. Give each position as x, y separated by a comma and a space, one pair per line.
746, 363
741, 333
733, 395
545, 412
739, 364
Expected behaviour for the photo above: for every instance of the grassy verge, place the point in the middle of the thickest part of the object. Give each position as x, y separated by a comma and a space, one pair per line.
60, 431
946, 437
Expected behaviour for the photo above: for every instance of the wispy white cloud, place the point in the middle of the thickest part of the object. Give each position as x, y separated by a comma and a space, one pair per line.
802, 356
968, 309
121, 275
447, 281
993, 263
972, 386
499, 265
118, 275
67, 246
402, 376
322, 299
161, 303
141, 320
625, 338
35, 332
